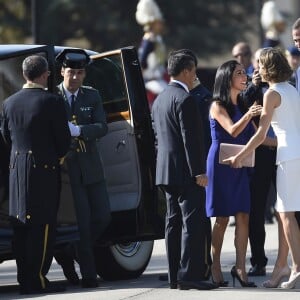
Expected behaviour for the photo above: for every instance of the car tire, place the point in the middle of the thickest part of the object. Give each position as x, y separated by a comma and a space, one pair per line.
123, 261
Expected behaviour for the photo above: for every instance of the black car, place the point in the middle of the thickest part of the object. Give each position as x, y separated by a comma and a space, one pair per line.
128, 154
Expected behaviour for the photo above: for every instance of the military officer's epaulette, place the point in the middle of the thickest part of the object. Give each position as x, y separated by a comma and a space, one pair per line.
88, 87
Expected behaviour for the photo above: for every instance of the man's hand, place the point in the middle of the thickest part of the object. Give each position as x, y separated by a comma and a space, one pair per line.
256, 78
74, 129
202, 180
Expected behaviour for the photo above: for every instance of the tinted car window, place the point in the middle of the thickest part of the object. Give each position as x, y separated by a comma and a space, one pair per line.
107, 76
10, 76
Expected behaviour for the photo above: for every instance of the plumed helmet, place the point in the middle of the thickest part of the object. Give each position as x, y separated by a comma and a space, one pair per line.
147, 11
270, 14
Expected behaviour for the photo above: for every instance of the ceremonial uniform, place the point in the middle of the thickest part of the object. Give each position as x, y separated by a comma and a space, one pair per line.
86, 174
35, 124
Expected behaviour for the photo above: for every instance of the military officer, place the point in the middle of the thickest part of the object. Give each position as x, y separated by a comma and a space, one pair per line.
87, 123
36, 128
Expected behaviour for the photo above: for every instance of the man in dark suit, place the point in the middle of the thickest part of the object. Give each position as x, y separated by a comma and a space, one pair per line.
203, 97
87, 124
36, 128
180, 172
296, 39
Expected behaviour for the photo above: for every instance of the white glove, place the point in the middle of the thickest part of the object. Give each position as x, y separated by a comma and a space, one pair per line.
74, 129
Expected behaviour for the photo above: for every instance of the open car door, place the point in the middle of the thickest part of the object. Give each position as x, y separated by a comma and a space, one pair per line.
128, 154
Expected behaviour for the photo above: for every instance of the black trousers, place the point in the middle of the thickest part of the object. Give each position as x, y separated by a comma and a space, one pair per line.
93, 215
187, 233
33, 246
264, 175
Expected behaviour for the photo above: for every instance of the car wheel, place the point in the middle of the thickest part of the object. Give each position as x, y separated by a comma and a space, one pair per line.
123, 261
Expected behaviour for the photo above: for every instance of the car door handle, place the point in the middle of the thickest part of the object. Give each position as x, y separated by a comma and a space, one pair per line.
120, 145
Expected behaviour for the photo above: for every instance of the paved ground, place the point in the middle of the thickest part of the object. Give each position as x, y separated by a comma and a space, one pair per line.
149, 287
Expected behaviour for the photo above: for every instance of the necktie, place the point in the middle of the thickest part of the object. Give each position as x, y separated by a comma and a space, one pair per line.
73, 103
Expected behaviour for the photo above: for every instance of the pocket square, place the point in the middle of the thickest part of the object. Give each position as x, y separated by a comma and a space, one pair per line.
227, 150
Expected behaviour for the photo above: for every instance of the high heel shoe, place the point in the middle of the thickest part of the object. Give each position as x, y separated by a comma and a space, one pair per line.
243, 283
223, 283
293, 280
285, 272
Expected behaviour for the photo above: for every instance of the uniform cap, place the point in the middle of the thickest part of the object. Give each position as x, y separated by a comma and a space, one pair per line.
73, 58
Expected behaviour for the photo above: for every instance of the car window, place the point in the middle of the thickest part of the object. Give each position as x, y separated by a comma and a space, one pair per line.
106, 75
10, 76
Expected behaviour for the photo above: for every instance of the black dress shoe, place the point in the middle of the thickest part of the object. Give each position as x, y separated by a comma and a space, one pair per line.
257, 271
89, 283
196, 285
173, 285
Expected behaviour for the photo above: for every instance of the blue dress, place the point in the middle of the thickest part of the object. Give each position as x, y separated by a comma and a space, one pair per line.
228, 189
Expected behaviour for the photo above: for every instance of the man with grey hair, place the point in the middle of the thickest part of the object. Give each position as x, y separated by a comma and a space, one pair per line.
35, 126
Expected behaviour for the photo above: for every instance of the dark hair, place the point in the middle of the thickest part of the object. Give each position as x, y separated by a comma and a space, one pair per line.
34, 66
180, 60
222, 85
276, 67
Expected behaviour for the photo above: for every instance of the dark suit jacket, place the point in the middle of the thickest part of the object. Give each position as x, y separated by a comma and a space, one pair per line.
35, 123
85, 166
178, 128
203, 97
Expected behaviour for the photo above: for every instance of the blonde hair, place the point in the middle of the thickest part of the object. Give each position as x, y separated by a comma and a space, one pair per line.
276, 67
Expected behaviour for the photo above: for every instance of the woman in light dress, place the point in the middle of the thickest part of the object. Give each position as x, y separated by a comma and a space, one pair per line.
281, 109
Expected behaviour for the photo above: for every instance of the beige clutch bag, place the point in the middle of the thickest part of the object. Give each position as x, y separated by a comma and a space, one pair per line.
227, 150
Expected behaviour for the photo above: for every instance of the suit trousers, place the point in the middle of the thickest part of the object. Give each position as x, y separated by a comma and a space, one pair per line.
187, 233
33, 245
264, 174
93, 216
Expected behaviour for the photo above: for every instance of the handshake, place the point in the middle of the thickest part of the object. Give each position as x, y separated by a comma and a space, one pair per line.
74, 129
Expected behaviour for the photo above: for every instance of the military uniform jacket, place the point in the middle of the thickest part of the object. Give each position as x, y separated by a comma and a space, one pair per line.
83, 159
35, 124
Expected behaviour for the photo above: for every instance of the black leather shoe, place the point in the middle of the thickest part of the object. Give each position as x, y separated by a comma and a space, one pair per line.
257, 271
196, 285
173, 285
89, 283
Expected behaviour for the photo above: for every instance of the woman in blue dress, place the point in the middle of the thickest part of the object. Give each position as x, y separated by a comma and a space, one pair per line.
228, 193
